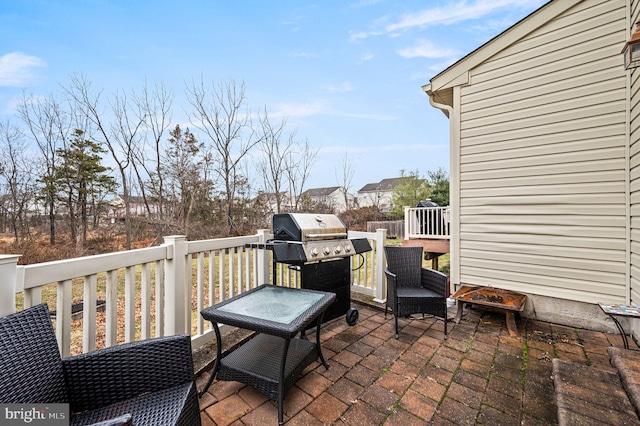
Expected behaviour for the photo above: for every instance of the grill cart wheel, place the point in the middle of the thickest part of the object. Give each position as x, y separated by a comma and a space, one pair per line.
352, 316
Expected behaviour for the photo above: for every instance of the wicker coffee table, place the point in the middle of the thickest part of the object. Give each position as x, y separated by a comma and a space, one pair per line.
272, 361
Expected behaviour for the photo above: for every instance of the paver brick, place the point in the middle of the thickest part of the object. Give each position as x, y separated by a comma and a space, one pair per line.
477, 376
418, 405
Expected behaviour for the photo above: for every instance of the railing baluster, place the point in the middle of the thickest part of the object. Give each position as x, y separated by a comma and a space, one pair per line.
200, 292
111, 308
221, 269
247, 270
129, 304
63, 317
145, 305
233, 288
159, 287
89, 314
212, 278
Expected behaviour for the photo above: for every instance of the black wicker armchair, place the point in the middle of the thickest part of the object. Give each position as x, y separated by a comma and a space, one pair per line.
149, 382
412, 289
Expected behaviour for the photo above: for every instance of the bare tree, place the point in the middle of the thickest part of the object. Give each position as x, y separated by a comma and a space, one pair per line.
121, 135
345, 179
220, 113
272, 165
298, 169
16, 180
154, 108
49, 126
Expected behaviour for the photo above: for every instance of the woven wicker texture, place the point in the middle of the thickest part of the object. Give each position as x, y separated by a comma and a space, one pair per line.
31, 368
257, 363
412, 289
152, 380
173, 406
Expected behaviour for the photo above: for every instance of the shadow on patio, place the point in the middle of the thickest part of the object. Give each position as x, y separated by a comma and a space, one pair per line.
479, 375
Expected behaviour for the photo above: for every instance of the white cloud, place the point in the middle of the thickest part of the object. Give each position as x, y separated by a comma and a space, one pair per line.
320, 107
457, 12
345, 86
16, 69
451, 13
427, 49
366, 57
364, 3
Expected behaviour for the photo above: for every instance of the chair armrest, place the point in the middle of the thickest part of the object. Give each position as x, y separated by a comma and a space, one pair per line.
434, 280
118, 373
124, 420
390, 275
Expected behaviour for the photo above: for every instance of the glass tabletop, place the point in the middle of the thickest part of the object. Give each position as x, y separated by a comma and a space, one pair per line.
278, 304
619, 309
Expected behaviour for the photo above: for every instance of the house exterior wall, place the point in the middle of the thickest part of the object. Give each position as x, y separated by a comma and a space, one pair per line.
543, 201
542, 161
381, 199
633, 106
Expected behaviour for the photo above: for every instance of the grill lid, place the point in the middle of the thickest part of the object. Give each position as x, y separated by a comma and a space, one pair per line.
308, 227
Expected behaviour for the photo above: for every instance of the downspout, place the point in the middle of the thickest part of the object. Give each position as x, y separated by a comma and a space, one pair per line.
454, 238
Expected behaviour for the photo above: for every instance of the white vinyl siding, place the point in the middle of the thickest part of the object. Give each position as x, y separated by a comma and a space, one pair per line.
634, 164
543, 190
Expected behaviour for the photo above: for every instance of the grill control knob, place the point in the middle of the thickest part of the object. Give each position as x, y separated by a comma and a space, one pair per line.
347, 249
326, 250
314, 252
337, 249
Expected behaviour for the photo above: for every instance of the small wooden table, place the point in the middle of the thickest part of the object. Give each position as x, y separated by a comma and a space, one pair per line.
506, 301
613, 310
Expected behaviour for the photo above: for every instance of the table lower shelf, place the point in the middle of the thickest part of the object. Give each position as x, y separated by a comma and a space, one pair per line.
257, 363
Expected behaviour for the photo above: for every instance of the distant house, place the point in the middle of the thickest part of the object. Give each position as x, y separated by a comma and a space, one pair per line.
332, 197
137, 207
545, 160
269, 201
379, 194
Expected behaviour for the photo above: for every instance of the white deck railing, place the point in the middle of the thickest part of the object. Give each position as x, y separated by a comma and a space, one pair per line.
427, 222
160, 290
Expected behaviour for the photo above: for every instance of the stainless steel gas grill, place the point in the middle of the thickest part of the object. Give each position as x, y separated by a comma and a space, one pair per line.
318, 246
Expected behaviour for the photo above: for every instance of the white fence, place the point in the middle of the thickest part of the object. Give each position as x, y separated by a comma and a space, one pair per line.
427, 222
160, 290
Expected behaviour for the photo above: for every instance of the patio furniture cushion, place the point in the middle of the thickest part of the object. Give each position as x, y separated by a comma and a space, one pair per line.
150, 380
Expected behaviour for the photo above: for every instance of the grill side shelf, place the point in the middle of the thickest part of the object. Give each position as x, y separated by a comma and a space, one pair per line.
285, 252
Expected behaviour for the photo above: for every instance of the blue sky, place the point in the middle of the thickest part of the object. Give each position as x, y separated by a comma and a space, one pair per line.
346, 74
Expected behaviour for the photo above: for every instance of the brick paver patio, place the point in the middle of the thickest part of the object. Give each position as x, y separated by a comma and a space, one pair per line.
479, 375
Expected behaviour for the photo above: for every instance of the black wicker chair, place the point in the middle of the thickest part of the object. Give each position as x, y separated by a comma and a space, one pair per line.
149, 382
412, 289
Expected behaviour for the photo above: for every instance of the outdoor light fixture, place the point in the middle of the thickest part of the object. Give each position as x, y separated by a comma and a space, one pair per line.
631, 49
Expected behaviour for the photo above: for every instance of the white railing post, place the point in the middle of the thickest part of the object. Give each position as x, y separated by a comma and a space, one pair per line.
176, 303
407, 227
263, 269
381, 281
8, 266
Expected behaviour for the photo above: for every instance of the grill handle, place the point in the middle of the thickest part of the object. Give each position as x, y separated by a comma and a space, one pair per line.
326, 236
